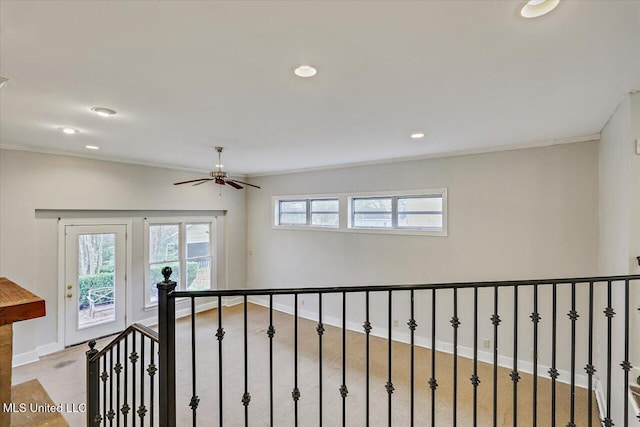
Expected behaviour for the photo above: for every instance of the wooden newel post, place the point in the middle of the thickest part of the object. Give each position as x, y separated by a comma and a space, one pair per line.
167, 353
93, 386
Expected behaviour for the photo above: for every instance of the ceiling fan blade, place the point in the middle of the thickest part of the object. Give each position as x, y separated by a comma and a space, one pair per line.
192, 180
245, 183
219, 181
234, 185
201, 182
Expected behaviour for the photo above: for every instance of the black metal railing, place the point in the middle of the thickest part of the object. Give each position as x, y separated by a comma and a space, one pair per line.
558, 317
121, 384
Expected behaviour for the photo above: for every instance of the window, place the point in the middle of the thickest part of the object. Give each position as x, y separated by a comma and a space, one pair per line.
422, 212
307, 213
411, 212
186, 247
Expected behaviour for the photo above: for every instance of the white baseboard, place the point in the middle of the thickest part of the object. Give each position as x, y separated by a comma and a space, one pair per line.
184, 312
34, 356
446, 347
24, 358
231, 301
49, 348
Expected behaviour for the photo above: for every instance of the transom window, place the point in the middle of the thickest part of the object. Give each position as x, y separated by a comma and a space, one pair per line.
411, 212
419, 212
308, 212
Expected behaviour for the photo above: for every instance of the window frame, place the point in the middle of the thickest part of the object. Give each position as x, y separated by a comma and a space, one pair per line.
308, 225
395, 196
345, 212
182, 223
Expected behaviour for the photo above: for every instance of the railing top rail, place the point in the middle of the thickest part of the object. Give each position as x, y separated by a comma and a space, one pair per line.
135, 327
400, 287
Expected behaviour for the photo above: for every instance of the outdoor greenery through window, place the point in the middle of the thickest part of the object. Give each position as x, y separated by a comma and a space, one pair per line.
187, 249
308, 212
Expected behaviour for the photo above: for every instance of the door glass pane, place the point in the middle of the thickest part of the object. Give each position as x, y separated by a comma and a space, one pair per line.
96, 278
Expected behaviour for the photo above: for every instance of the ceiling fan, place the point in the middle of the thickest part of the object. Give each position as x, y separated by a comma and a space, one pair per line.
219, 177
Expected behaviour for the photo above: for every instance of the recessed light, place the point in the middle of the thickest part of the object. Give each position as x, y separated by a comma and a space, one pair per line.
305, 71
92, 147
536, 8
68, 130
104, 112
417, 135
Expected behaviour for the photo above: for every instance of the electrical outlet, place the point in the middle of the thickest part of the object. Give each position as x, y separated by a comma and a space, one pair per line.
486, 343
302, 302
395, 323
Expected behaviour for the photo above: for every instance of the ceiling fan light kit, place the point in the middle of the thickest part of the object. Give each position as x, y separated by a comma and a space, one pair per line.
218, 177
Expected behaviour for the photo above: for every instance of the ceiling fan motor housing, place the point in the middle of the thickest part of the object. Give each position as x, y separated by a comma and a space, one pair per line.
218, 174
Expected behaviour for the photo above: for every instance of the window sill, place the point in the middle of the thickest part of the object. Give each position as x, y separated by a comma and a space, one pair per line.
399, 231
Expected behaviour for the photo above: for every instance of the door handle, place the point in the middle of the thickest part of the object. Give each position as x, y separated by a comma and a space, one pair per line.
69, 295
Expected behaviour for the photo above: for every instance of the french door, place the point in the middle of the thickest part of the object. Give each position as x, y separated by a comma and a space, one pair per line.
95, 281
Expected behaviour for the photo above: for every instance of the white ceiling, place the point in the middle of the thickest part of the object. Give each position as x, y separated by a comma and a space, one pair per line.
187, 76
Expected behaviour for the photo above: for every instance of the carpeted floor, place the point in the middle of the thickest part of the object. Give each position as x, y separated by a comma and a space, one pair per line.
233, 379
63, 376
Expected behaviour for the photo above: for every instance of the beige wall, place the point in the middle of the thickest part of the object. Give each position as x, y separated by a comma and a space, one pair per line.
29, 245
512, 215
619, 237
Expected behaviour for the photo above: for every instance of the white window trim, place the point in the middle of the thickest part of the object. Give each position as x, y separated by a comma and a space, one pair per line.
344, 202
181, 221
276, 213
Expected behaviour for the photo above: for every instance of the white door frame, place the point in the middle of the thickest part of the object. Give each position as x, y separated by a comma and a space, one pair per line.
62, 224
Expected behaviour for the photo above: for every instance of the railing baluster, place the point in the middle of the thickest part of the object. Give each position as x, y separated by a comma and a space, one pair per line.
296, 391
535, 318
104, 377
195, 400
151, 370
142, 410
219, 337
133, 357
118, 370
343, 389
367, 331
626, 365
553, 372
433, 383
515, 376
455, 323
475, 380
609, 313
246, 397
389, 385
590, 369
320, 331
573, 315
125, 405
111, 413
412, 328
270, 333
495, 320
